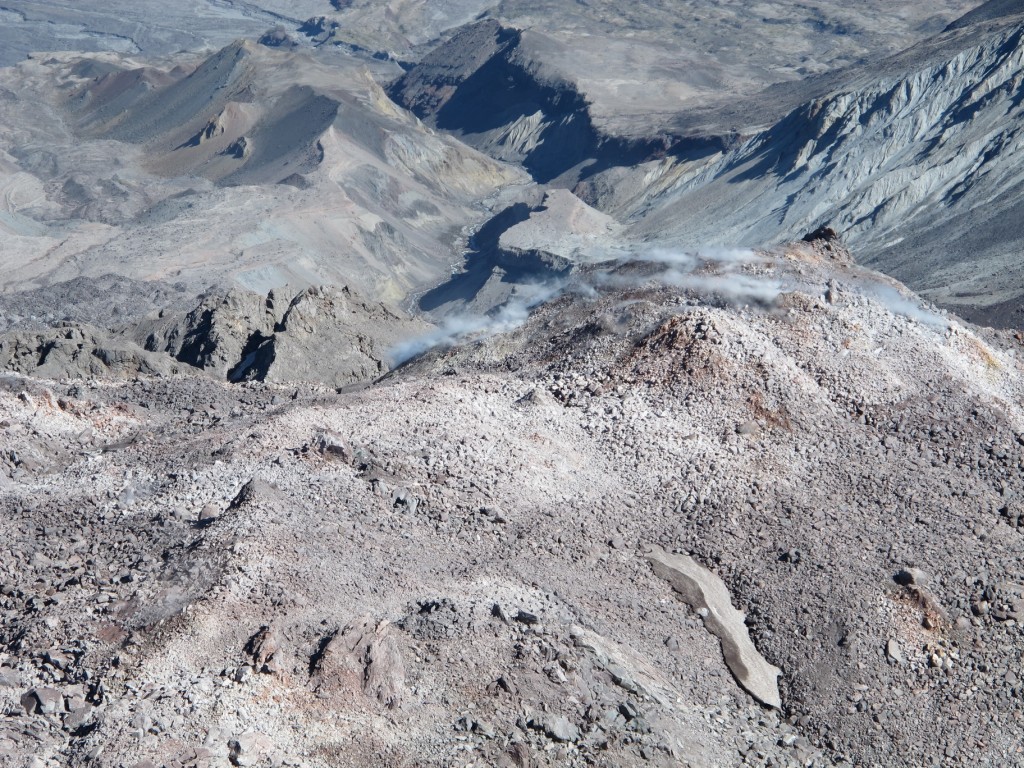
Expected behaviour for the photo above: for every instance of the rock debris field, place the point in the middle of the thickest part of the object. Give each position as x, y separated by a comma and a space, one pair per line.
453, 564
441, 384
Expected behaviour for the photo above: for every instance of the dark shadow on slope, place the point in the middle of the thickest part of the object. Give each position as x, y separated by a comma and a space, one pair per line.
502, 92
249, 357
488, 263
287, 142
990, 11
481, 82
481, 260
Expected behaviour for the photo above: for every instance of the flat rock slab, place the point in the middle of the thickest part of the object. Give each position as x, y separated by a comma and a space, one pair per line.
707, 594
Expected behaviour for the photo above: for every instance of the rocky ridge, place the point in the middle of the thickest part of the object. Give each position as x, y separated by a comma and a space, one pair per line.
320, 335
451, 564
910, 157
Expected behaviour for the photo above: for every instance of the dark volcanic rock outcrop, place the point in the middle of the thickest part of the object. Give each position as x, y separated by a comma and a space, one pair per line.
214, 335
74, 351
324, 334
329, 335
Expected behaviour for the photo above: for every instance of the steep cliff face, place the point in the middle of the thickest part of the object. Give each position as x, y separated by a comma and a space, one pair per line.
924, 159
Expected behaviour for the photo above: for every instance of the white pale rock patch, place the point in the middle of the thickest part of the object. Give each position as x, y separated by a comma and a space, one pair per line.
707, 594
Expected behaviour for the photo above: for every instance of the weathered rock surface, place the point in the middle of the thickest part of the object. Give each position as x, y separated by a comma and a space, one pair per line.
361, 657
74, 351
328, 335
214, 336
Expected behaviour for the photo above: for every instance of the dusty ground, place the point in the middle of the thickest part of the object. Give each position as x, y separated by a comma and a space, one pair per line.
450, 562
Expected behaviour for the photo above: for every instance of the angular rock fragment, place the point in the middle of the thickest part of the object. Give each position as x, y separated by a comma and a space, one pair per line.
333, 446
250, 748
525, 617
627, 669
264, 647
43, 700
9, 678
555, 727
253, 492
704, 592
917, 584
78, 717
385, 672
537, 397
364, 657
892, 650
823, 232
207, 515
560, 729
